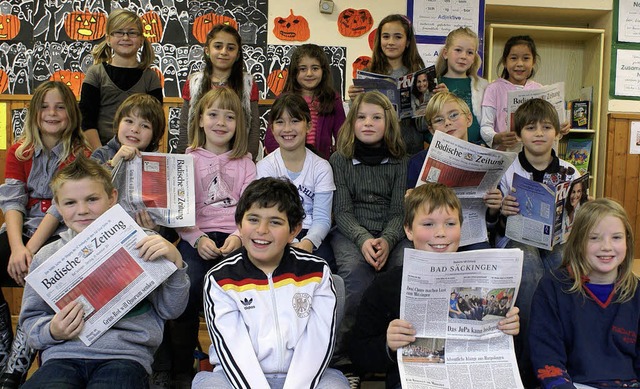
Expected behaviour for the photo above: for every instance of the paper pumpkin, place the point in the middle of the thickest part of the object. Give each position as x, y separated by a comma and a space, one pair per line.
9, 27
354, 22
152, 26
85, 25
360, 63
72, 79
202, 25
276, 80
291, 28
372, 38
4, 81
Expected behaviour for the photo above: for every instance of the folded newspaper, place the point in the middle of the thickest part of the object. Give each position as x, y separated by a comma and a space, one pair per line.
471, 171
161, 184
100, 268
553, 93
454, 302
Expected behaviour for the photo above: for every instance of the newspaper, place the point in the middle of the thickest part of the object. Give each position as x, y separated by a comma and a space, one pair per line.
408, 94
553, 93
471, 171
100, 268
542, 221
466, 351
163, 184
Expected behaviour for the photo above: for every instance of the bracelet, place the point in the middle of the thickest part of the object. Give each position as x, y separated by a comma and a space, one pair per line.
195, 245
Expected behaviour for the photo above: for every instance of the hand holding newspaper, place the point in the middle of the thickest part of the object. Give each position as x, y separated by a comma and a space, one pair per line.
454, 302
100, 268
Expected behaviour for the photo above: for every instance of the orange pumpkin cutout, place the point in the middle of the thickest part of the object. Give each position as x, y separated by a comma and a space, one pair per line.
202, 25
354, 22
360, 63
291, 28
4, 81
276, 80
372, 38
152, 26
85, 25
72, 79
9, 27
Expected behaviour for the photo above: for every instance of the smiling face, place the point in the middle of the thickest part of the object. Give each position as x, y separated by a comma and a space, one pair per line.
219, 127
223, 51
576, 195
606, 250
460, 56
369, 124
80, 202
393, 40
438, 231
309, 74
422, 83
53, 117
290, 132
452, 120
135, 131
519, 64
128, 45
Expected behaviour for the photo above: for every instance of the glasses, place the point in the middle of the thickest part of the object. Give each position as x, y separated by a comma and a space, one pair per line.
438, 121
121, 34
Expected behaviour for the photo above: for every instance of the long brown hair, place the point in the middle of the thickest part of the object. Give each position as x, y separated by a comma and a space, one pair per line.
324, 93
410, 57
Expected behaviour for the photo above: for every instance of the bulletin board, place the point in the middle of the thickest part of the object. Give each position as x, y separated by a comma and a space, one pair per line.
625, 51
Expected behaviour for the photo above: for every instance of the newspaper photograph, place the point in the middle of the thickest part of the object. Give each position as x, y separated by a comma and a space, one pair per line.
546, 212
454, 302
553, 93
100, 268
470, 170
161, 184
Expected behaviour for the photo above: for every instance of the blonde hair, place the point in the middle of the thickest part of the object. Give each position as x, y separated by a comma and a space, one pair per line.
438, 100
442, 64
574, 257
226, 99
392, 134
72, 137
79, 169
117, 20
430, 196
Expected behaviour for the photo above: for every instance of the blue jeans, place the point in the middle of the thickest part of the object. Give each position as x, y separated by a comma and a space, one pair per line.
89, 373
331, 379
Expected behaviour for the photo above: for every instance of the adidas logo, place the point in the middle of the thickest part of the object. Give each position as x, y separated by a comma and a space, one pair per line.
247, 302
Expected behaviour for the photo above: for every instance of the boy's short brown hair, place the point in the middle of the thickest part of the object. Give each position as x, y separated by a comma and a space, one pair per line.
534, 111
430, 196
148, 108
81, 168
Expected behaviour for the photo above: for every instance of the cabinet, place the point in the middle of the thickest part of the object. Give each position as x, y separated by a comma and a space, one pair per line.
572, 55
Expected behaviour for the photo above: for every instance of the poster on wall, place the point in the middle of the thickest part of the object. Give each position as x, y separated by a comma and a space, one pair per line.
627, 73
629, 21
429, 53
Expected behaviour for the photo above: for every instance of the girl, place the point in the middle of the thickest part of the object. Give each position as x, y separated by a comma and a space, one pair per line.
310, 77
577, 197
223, 66
369, 168
51, 139
457, 67
116, 74
290, 120
585, 316
222, 169
395, 53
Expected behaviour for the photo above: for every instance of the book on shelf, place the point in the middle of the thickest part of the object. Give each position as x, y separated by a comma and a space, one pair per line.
580, 114
578, 153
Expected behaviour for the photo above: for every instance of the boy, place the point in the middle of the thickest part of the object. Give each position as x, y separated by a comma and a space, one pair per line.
122, 356
270, 308
536, 126
433, 222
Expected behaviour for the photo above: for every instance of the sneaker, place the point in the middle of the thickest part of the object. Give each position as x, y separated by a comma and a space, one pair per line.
354, 380
160, 380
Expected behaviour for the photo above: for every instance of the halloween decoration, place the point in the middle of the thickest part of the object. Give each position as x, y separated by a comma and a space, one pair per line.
291, 28
85, 25
360, 63
276, 80
9, 27
354, 22
72, 79
152, 26
4, 81
202, 25
372, 38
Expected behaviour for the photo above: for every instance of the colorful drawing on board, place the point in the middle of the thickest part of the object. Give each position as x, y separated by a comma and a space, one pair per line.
202, 25
291, 28
85, 25
9, 26
354, 22
152, 26
361, 63
4, 81
372, 38
276, 81
72, 79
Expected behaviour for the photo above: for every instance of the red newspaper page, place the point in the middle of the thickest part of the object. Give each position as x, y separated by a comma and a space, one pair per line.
154, 181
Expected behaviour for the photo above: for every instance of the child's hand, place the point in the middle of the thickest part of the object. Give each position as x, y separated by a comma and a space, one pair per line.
565, 128
510, 206
19, 263
369, 252
504, 140
304, 244
233, 242
152, 247
126, 152
207, 248
510, 325
441, 87
382, 252
399, 334
145, 221
493, 200
67, 323
354, 91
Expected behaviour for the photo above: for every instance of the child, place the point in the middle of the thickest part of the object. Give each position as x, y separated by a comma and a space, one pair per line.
457, 67
122, 356
290, 120
369, 168
270, 308
395, 53
536, 126
310, 77
116, 74
222, 170
585, 315
432, 221
51, 139
223, 66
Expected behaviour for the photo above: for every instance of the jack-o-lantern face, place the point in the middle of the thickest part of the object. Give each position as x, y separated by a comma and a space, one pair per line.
202, 25
70, 78
152, 26
276, 80
85, 25
4, 81
291, 28
354, 22
360, 63
372, 38
9, 27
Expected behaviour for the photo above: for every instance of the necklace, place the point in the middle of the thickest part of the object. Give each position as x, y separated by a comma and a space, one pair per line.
220, 81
